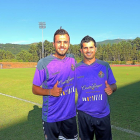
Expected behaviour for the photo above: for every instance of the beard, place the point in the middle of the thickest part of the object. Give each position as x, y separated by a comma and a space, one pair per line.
61, 54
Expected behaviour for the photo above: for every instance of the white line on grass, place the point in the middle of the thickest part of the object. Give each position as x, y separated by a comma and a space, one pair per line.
20, 99
115, 127
126, 130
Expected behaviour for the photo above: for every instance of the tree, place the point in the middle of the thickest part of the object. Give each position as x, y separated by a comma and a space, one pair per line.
105, 53
25, 56
9, 55
129, 52
136, 41
2, 54
114, 52
33, 50
119, 51
138, 56
39, 50
49, 49
99, 53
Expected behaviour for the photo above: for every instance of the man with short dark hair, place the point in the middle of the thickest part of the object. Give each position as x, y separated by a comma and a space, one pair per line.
94, 81
56, 74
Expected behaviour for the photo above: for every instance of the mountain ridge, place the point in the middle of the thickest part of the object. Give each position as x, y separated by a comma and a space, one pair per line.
16, 48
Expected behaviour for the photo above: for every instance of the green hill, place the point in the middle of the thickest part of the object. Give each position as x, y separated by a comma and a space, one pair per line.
111, 41
14, 48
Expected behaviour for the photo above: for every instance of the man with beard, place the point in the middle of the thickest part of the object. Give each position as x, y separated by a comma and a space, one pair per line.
54, 79
94, 81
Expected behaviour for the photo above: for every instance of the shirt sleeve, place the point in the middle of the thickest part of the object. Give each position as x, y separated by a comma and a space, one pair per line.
111, 79
40, 75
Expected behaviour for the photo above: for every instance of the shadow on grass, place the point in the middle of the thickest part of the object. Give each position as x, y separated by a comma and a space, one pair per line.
124, 104
125, 111
27, 130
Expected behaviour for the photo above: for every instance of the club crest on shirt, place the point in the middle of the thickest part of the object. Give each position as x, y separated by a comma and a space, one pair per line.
101, 74
72, 67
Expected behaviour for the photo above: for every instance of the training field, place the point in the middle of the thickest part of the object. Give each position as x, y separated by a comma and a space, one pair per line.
20, 110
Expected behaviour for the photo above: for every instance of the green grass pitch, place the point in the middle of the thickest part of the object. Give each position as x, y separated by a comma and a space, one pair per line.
20, 120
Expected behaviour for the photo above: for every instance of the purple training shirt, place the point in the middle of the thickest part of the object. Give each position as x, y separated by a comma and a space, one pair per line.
50, 70
90, 83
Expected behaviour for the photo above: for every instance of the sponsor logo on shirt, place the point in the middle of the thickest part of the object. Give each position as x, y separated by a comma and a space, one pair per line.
93, 86
97, 97
66, 81
101, 74
68, 91
72, 67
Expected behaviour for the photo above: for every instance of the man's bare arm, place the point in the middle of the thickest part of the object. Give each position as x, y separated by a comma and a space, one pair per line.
55, 91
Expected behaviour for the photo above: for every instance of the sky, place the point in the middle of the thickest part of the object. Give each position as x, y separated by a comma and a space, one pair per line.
100, 19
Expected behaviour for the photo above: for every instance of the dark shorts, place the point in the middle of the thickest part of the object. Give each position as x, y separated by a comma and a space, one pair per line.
66, 129
88, 126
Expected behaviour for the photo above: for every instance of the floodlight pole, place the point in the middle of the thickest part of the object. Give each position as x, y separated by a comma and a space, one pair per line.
42, 25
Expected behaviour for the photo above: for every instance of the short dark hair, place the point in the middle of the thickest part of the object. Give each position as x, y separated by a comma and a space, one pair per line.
87, 39
60, 32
